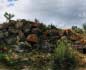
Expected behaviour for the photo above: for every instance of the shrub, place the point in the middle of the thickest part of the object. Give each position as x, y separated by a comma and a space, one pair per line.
64, 59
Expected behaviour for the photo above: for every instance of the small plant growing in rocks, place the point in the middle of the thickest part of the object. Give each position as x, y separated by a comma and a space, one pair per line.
64, 59
8, 16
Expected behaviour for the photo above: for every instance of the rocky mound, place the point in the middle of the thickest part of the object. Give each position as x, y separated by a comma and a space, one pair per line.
33, 33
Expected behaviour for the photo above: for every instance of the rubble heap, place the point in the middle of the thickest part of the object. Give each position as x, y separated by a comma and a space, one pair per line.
28, 33
33, 33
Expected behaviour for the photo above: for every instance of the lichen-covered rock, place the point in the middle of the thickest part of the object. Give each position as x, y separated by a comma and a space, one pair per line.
32, 38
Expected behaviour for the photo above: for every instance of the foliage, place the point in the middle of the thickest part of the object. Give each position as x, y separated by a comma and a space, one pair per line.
64, 59
77, 30
8, 16
52, 27
74, 27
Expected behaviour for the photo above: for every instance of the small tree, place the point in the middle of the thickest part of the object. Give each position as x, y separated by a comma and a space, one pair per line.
8, 16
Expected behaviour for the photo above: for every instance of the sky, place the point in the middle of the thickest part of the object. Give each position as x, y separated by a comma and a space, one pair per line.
61, 13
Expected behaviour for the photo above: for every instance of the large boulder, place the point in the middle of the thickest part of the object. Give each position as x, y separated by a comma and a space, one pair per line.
32, 38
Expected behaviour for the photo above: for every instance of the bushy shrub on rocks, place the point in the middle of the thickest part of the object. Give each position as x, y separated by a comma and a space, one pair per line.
64, 57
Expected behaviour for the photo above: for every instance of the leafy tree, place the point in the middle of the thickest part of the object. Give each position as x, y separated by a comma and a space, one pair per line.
8, 16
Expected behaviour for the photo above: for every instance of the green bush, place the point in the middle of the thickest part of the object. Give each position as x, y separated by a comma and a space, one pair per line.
64, 59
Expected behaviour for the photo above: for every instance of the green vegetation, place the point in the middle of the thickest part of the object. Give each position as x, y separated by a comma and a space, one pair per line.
8, 16
64, 59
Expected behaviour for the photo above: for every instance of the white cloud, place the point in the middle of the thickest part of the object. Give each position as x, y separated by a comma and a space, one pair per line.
63, 13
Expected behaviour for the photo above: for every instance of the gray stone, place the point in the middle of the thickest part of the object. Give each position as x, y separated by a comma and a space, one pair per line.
17, 48
6, 34
21, 35
19, 24
10, 40
13, 30
26, 28
1, 34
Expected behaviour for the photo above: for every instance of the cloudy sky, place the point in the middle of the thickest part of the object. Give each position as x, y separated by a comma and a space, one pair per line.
62, 13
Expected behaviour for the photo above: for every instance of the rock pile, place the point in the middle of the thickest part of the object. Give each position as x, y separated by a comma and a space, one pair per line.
34, 33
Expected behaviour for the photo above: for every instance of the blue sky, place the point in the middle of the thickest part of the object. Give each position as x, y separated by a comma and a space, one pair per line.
62, 13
